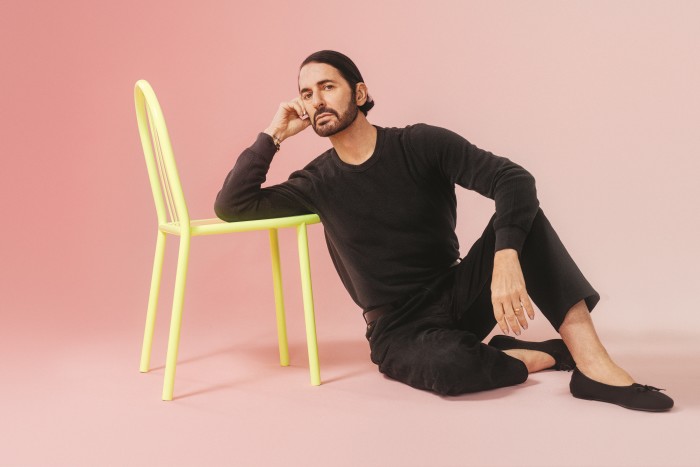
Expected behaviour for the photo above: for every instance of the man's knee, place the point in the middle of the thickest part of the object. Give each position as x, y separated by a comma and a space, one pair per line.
453, 367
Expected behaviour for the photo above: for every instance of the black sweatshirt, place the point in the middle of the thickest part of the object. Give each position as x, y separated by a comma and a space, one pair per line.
390, 221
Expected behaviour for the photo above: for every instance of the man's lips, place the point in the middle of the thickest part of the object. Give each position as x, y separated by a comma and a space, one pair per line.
323, 115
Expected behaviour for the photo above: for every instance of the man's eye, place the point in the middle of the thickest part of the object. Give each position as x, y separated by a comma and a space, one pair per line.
328, 86
306, 96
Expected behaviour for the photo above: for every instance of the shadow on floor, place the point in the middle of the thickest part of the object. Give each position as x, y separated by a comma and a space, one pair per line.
343, 358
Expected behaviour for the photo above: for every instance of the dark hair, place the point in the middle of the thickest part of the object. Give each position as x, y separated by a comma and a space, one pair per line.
347, 69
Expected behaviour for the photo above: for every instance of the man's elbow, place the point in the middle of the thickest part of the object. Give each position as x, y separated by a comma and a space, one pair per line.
226, 213
531, 179
524, 176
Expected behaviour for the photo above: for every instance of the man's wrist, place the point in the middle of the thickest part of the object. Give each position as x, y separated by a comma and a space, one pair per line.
276, 134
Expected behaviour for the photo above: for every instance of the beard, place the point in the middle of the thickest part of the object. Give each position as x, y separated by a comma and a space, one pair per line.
332, 126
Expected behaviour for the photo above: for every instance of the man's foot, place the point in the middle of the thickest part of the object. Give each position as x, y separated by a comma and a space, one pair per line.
606, 372
633, 396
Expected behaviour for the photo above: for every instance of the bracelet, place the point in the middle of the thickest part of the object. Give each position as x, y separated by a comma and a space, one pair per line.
276, 142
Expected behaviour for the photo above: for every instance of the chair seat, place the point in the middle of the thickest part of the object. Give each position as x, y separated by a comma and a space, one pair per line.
215, 225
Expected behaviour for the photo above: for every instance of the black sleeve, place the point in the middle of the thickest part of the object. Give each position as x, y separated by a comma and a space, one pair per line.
496, 177
242, 198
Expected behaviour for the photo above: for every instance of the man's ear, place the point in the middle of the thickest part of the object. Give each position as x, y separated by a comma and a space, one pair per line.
360, 94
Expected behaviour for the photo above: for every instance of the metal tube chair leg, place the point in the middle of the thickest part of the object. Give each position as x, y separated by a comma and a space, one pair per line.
309, 318
176, 318
279, 299
153, 302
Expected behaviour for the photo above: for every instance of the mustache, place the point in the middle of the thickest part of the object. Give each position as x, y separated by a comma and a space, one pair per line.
325, 111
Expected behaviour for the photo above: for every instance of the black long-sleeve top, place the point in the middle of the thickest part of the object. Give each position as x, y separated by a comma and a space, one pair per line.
389, 222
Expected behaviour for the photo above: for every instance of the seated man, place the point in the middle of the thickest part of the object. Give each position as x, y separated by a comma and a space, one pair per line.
386, 198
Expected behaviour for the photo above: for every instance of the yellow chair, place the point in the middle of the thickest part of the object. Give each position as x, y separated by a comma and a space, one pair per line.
167, 191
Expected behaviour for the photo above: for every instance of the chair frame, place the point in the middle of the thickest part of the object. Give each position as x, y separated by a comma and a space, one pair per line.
168, 194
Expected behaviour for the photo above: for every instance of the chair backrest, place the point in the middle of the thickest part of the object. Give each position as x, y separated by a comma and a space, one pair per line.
160, 161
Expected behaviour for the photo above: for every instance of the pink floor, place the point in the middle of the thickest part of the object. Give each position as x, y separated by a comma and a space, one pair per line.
76, 397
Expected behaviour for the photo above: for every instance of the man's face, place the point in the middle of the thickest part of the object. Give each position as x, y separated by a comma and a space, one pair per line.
323, 90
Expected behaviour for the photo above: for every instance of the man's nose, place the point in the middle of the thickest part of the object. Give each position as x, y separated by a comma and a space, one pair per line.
317, 102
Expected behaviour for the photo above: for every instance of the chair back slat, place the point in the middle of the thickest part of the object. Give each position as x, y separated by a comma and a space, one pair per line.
162, 173
160, 161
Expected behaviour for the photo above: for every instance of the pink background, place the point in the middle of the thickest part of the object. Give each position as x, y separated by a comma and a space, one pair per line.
598, 100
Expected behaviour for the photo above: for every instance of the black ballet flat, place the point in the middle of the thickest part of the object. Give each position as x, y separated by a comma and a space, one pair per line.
635, 396
563, 361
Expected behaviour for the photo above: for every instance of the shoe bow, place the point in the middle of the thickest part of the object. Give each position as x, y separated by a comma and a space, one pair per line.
645, 388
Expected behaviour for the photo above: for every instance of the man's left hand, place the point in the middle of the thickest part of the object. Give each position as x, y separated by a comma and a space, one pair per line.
508, 294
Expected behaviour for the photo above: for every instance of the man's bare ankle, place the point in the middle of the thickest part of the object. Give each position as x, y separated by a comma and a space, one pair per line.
597, 360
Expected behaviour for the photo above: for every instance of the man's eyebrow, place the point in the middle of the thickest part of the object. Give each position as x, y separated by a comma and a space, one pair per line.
320, 83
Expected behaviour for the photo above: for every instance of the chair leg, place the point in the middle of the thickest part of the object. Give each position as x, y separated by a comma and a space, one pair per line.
309, 318
176, 318
152, 303
279, 299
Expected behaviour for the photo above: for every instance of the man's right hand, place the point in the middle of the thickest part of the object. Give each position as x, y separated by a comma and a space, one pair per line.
290, 119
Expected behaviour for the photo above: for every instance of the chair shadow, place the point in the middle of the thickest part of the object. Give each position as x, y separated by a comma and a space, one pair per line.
338, 352
210, 389
345, 358
214, 353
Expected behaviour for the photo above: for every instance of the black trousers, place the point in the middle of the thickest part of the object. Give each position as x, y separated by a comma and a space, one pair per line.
432, 338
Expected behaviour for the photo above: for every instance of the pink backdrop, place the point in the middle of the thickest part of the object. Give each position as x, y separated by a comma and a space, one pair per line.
599, 100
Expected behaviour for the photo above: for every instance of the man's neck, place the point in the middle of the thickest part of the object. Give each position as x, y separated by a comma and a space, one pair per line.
356, 143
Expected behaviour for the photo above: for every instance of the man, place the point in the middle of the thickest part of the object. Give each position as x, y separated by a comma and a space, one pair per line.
387, 202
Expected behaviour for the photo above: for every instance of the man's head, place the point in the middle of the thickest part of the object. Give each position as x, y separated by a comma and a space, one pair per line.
330, 83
